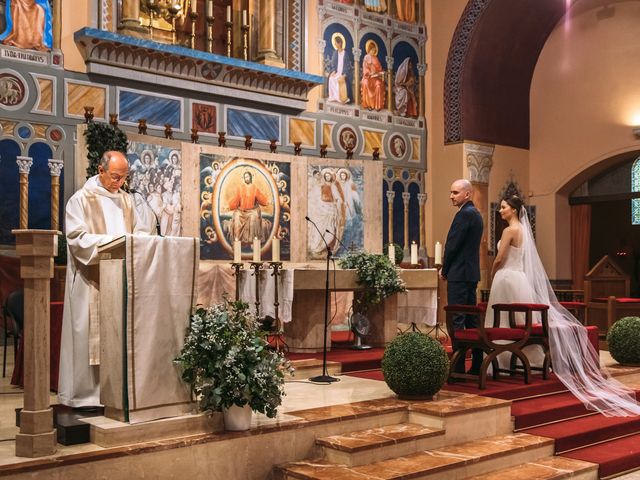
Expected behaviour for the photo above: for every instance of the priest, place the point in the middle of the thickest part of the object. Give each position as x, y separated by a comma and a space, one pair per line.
96, 214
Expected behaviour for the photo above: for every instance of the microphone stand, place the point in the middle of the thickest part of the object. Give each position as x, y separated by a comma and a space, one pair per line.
325, 377
339, 241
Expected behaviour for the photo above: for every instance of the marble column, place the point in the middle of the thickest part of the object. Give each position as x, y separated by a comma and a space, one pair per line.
405, 202
24, 166
130, 20
389, 60
357, 53
422, 251
57, 23
390, 196
267, 35
479, 160
36, 249
55, 168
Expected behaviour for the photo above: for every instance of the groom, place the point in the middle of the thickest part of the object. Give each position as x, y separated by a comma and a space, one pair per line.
461, 264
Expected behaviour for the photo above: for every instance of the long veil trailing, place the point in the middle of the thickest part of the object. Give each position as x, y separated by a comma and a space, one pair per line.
573, 359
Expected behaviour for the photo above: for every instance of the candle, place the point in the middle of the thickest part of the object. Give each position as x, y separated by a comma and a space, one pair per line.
438, 253
275, 249
244, 17
209, 8
392, 253
229, 13
237, 251
414, 253
256, 249
194, 6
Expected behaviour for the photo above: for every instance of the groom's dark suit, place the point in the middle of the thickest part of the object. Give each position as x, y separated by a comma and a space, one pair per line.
461, 268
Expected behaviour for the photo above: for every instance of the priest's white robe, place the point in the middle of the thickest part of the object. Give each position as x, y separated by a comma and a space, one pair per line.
93, 216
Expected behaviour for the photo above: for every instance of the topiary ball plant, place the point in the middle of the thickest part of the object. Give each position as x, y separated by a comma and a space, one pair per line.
624, 341
415, 365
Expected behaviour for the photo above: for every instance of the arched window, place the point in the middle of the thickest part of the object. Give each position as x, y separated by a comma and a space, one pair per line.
635, 187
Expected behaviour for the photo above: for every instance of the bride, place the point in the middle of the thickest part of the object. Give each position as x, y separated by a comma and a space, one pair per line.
519, 277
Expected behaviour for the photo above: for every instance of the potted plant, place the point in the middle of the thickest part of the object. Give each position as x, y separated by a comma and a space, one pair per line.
415, 365
376, 274
229, 365
624, 341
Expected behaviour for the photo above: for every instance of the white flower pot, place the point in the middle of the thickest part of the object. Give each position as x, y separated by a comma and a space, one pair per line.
236, 418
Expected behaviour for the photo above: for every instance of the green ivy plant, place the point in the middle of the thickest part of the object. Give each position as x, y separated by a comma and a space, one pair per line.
624, 341
61, 257
376, 274
227, 361
102, 137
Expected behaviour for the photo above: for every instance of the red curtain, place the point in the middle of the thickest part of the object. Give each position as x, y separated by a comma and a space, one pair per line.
580, 239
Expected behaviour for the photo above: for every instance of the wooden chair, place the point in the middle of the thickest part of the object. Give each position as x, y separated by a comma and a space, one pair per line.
539, 334
485, 339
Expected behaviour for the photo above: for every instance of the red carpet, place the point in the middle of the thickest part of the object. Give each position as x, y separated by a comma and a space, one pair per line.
614, 457
352, 360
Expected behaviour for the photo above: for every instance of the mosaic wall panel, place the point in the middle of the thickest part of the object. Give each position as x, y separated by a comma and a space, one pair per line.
302, 130
243, 198
156, 176
335, 196
372, 139
261, 126
78, 95
158, 110
46, 95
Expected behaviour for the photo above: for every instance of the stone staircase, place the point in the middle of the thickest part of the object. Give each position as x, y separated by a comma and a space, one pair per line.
452, 437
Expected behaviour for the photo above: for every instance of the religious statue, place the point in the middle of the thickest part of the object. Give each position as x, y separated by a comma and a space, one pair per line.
404, 87
28, 24
378, 6
341, 67
372, 84
406, 10
246, 223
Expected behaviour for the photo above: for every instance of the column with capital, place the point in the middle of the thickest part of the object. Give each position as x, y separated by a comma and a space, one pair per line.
422, 70
24, 166
130, 20
422, 252
356, 75
389, 60
405, 202
390, 196
267, 53
55, 168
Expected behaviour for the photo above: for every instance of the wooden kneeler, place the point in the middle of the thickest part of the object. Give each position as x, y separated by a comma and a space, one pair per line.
485, 339
539, 334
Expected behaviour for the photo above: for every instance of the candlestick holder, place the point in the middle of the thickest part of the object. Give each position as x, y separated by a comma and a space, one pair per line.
222, 141
174, 9
210, 20
113, 120
247, 142
245, 42
323, 150
142, 126
256, 267
193, 16
376, 153
273, 145
229, 26
277, 338
168, 131
88, 114
297, 148
237, 267
349, 153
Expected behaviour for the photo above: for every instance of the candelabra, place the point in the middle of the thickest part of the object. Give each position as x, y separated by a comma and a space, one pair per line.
277, 340
245, 42
193, 16
174, 10
256, 267
210, 20
237, 267
229, 26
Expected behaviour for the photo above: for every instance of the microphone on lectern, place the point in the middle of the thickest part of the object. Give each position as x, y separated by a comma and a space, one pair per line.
336, 237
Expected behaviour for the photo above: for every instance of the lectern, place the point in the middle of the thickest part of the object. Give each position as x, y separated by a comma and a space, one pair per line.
147, 291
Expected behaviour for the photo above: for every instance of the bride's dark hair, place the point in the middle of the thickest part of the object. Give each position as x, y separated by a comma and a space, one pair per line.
514, 202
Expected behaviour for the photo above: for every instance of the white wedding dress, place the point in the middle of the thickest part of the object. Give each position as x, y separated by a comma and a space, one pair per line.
573, 359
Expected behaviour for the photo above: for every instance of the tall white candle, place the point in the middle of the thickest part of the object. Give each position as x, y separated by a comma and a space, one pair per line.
414, 253
209, 8
244, 17
237, 251
194, 6
438, 254
229, 13
392, 253
275, 249
256, 249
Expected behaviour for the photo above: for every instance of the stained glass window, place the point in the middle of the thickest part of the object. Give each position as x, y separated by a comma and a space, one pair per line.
635, 187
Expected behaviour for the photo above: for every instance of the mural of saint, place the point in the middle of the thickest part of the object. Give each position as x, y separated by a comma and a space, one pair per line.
28, 24
379, 6
372, 84
340, 76
406, 10
327, 213
246, 222
405, 88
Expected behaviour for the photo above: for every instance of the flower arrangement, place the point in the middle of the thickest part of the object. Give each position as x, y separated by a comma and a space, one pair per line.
376, 273
227, 361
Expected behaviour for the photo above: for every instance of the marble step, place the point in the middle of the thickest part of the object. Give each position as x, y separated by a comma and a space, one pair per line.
376, 444
548, 468
461, 460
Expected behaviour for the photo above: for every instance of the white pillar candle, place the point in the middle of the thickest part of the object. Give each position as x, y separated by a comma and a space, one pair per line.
237, 251
244, 17
194, 6
392, 253
275, 249
256, 249
438, 254
229, 13
414, 253
209, 8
